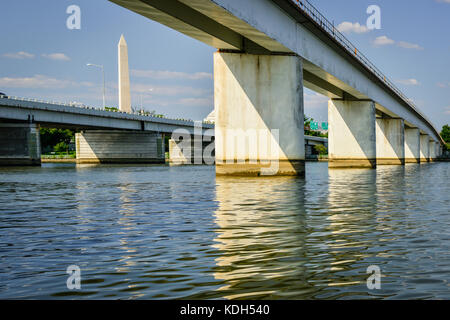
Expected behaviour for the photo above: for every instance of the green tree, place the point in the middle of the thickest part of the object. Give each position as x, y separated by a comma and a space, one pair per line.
321, 149
445, 133
50, 137
61, 147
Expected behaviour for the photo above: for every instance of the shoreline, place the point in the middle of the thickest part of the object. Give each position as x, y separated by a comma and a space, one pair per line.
58, 160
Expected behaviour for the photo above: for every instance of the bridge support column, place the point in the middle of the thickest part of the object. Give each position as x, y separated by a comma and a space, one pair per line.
259, 114
390, 135
351, 137
412, 145
432, 151
194, 150
119, 147
424, 148
20, 144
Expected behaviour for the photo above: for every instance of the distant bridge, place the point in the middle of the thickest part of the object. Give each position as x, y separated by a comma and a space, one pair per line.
55, 115
105, 137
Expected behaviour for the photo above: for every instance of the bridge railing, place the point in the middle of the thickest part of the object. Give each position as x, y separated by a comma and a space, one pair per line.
329, 27
83, 106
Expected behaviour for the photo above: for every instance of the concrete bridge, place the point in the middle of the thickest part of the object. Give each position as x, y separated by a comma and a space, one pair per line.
106, 137
267, 51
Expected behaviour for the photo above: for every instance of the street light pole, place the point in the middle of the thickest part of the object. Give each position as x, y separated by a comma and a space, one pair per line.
104, 86
142, 108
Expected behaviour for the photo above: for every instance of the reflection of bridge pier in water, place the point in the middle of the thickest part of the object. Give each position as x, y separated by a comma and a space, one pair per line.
268, 245
282, 243
261, 238
349, 223
368, 212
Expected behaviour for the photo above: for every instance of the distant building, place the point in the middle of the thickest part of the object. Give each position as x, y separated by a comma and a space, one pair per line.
211, 117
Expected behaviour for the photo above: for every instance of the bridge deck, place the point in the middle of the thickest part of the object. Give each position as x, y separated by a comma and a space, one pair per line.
58, 115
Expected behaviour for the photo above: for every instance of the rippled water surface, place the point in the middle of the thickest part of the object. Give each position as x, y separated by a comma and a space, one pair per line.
179, 232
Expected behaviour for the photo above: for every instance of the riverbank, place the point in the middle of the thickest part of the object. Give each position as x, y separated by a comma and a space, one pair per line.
45, 158
317, 158
54, 160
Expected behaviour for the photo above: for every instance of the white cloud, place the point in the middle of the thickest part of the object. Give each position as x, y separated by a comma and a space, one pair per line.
315, 100
164, 75
407, 45
40, 82
443, 85
444, 1
56, 56
197, 102
349, 27
409, 82
447, 110
383, 41
19, 55
168, 90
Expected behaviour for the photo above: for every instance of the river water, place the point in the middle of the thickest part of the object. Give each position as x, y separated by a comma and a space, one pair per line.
160, 232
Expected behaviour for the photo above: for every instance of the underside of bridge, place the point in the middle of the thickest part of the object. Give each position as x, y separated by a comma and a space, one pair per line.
212, 24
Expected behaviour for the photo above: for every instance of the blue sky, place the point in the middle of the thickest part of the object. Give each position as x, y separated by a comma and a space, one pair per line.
172, 74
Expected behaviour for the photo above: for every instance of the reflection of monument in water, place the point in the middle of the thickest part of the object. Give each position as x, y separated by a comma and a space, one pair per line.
126, 222
261, 238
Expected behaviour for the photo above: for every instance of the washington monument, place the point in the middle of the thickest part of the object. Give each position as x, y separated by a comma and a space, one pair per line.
124, 77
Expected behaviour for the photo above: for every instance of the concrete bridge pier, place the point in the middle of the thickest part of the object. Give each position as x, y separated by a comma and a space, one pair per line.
352, 134
20, 144
439, 150
114, 146
259, 114
424, 148
390, 140
432, 151
195, 150
412, 145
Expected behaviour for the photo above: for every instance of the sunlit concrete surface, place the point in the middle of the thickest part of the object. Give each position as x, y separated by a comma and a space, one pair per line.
424, 148
351, 136
119, 147
390, 136
195, 150
432, 151
258, 95
412, 145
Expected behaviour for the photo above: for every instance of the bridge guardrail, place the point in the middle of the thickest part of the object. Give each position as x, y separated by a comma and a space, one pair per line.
82, 106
